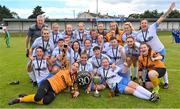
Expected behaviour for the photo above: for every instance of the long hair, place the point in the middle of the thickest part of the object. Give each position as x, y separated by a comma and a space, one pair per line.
117, 29
79, 50
150, 49
130, 25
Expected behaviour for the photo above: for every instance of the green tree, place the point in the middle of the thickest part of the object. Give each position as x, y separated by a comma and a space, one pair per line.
174, 14
136, 16
37, 11
15, 15
5, 13
154, 14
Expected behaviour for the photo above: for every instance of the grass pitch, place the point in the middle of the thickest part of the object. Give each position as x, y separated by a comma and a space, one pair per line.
13, 67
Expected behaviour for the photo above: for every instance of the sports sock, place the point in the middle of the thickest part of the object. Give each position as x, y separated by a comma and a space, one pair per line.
166, 77
140, 95
30, 98
144, 91
155, 81
155, 89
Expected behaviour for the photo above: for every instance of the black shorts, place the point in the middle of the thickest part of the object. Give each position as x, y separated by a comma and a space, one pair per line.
45, 92
161, 72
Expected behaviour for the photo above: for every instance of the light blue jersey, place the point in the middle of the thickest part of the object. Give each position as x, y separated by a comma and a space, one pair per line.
55, 37
47, 46
110, 76
72, 36
132, 51
57, 51
86, 67
113, 79
75, 56
151, 38
96, 62
115, 55
89, 51
133, 34
80, 38
40, 69
104, 47
93, 41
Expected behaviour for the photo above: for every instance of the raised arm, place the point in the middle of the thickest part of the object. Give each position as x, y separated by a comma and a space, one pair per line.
163, 17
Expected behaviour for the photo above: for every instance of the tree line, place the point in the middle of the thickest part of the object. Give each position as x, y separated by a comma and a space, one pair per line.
7, 13
154, 14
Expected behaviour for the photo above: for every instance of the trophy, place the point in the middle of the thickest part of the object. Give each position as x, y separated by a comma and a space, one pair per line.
97, 81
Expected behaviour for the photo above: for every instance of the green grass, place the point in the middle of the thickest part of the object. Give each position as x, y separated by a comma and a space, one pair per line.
13, 67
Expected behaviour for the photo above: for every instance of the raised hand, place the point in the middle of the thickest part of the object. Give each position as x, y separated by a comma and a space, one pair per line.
172, 6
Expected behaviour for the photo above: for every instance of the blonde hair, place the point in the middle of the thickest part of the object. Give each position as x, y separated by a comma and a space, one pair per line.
99, 35
45, 29
81, 23
130, 25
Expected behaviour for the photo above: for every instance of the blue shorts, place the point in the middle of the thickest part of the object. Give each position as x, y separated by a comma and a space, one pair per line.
123, 84
163, 53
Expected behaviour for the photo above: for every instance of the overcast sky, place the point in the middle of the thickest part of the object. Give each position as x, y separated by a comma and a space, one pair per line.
65, 8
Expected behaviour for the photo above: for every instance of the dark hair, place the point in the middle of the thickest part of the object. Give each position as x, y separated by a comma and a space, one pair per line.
60, 39
39, 47
150, 49
113, 38
86, 40
92, 30
96, 48
75, 62
79, 50
143, 19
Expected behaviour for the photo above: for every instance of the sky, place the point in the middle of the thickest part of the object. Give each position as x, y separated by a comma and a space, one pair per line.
67, 8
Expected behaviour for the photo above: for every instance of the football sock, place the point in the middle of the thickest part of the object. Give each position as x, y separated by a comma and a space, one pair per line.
140, 95
30, 98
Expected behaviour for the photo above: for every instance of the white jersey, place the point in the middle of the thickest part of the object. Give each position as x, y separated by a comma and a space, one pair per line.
96, 62
115, 55
40, 69
75, 56
47, 46
104, 47
57, 51
55, 37
78, 36
132, 51
110, 76
87, 67
133, 34
151, 38
72, 36
93, 41
89, 51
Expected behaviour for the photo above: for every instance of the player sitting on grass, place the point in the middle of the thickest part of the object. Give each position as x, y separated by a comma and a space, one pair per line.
52, 86
116, 82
